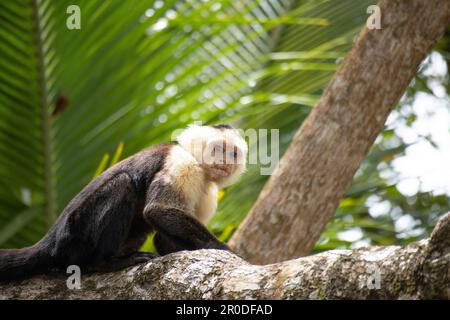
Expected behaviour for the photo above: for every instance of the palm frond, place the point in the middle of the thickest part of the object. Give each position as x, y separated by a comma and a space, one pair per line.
136, 71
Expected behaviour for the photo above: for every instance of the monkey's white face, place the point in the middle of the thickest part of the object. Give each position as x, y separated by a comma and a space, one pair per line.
220, 152
221, 159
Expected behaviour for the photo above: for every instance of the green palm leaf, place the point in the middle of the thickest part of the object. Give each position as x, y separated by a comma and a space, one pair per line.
136, 71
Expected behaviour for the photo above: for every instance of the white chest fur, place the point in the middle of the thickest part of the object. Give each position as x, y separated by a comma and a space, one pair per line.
207, 204
184, 172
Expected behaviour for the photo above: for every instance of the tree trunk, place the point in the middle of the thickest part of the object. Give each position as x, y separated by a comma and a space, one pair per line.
417, 271
304, 191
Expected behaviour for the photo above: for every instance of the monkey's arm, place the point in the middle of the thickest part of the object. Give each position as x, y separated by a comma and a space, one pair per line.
177, 231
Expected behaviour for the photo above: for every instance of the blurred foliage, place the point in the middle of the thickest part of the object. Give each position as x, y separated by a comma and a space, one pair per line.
137, 70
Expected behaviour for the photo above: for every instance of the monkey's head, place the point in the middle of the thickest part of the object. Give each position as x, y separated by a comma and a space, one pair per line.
220, 150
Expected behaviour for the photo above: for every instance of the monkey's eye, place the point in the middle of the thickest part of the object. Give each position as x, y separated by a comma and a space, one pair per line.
238, 155
231, 155
218, 149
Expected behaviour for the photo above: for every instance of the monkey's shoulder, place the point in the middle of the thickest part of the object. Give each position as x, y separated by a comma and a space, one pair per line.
134, 174
183, 178
182, 172
180, 167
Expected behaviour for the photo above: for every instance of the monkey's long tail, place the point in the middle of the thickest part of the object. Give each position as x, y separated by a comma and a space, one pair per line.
20, 263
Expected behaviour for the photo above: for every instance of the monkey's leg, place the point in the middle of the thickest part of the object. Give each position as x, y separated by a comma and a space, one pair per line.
182, 229
165, 245
95, 225
101, 233
136, 237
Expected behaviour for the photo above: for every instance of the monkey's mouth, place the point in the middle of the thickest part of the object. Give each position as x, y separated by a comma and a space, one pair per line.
220, 172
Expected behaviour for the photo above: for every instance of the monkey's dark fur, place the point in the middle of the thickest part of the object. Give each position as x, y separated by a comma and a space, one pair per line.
103, 227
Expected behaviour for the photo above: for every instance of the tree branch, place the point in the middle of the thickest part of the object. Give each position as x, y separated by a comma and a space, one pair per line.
420, 270
303, 193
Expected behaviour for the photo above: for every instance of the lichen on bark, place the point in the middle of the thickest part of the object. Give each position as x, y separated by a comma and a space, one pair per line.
420, 270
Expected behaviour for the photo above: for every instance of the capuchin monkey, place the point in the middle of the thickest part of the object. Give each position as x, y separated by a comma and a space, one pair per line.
171, 188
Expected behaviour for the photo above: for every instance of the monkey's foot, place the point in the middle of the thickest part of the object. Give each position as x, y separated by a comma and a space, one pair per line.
118, 263
215, 244
140, 257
